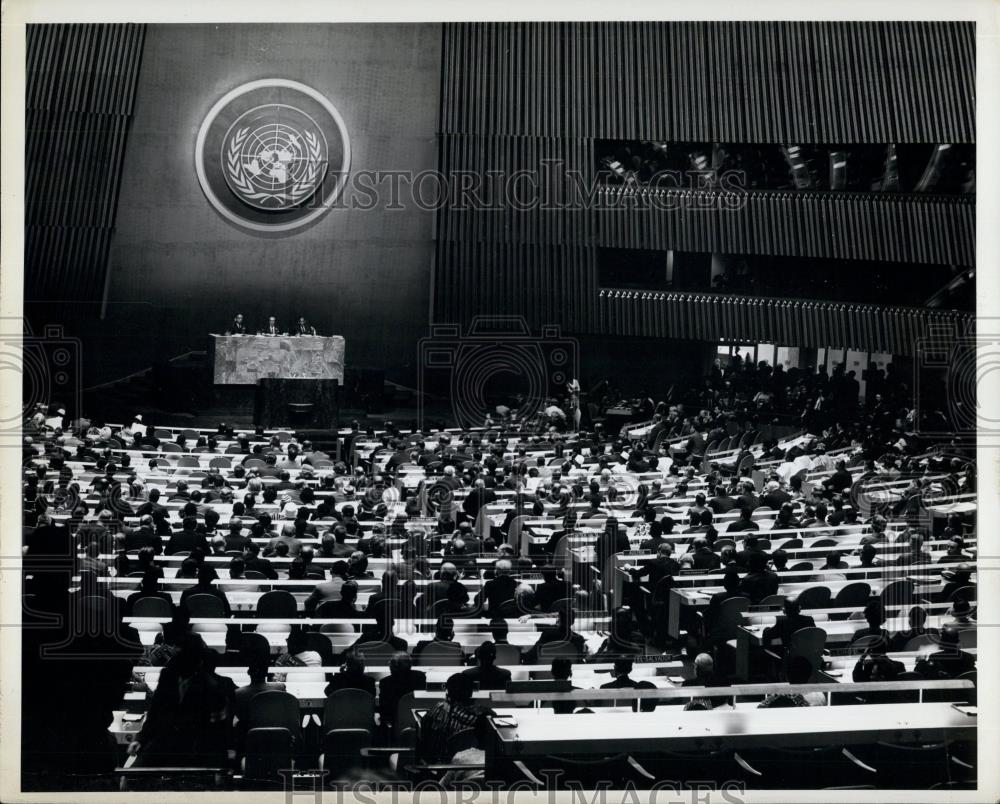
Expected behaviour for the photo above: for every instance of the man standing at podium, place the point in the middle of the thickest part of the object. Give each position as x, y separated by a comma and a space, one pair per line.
237, 327
303, 327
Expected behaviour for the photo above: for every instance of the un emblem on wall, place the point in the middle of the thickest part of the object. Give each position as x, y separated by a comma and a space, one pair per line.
272, 155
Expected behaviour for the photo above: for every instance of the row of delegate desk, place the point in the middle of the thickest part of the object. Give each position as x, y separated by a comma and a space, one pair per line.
377, 566
521, 730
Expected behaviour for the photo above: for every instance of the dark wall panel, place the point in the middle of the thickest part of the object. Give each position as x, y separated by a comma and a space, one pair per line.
862, 226
713, 81
546, 285
180, 271
80, 90
744, 82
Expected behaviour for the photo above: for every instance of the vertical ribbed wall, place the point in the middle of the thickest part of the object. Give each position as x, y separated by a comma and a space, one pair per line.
81, 83
803, 82
516, 96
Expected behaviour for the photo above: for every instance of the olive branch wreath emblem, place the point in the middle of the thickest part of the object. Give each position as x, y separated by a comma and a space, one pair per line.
297, 192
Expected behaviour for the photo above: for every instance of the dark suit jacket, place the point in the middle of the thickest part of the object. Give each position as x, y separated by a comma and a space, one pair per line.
476, 500
263, 566
606, 545
549, 592
721, 505
785, 626
743, 557
554, 634
343, 681
393, 687
776, 499
706, 560
341, 609
497, 591
433, 592
185, 540
659, 568
840, 480
952, 663
759, 585
150, 508
143, 537
625, 682
489, 678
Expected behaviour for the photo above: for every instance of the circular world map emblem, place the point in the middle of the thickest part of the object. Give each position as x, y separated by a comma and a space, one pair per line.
272, 155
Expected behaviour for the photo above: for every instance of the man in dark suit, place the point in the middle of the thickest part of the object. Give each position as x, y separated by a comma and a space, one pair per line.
788, 624
152, 504
254, 563
477, 498
272, 327
663, 566
956, 552
704, 558
402, 680
659, 425
721, 503
730, 588
339, 549
955, 579
303, 327
745, 522
486, 674
610, 541
438, 590
705, 674
552, 588
623, 680
237, 326
345, 607
759, 582
187, 539
840, 480
748, 499
774, 496
562, 631
326, 590
258, 683
144, 536
444, 634
351, 676
951, 661
751, 546
206, 577
500, 591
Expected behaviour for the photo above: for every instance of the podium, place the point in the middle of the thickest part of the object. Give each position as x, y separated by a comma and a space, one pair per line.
245, 359
295, 380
